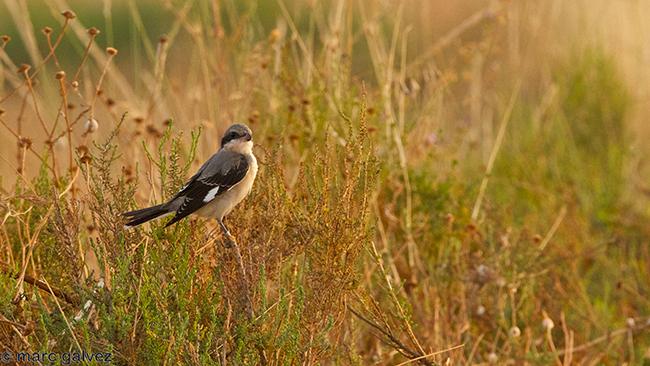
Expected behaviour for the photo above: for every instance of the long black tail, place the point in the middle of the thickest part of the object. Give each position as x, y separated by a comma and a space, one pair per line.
138, 217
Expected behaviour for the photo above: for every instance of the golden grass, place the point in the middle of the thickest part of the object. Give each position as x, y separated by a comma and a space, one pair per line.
439, 184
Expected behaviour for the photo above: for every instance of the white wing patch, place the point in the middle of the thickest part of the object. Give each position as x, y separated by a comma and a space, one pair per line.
211, 194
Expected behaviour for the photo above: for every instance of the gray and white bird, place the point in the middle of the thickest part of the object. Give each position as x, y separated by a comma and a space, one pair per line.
219, 185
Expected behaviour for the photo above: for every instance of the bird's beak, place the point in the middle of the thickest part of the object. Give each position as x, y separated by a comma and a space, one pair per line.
248, 137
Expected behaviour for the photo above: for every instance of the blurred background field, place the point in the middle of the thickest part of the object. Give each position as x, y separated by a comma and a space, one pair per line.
441, 182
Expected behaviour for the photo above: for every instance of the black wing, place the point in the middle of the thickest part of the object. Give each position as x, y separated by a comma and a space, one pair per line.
218, 175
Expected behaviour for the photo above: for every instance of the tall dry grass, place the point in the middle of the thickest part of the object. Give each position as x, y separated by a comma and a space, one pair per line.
439, 184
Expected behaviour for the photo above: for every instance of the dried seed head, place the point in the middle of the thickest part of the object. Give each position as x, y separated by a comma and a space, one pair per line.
110, 102
5, 39
514, 332
24, 142
60, 75
82, 149
492, 358
630, 322
138, 120
46, 30
537, 239
68, 14
75, 84
86, 159
91, 125
127, 171
93, 32
70, 106
153, 131
484, 274
2, 111
449, 218
275, 35
480, 310
23, 68
163, 39
547, 323
111, 51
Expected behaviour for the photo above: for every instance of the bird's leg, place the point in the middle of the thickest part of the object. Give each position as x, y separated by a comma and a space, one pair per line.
230, 240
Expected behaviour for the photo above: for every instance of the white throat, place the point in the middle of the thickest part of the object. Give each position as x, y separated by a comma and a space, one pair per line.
239, 146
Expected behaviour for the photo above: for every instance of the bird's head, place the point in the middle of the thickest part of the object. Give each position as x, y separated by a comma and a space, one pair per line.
238, 137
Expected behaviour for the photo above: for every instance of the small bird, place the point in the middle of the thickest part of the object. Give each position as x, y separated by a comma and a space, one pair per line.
219, 185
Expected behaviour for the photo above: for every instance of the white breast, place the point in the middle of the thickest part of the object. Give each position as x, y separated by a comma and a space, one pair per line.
225, 202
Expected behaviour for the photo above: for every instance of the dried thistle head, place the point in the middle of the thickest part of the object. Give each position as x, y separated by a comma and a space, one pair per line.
514, 332
47, 30
111, 51
60, 75
69, 14
24, 142
93, 32
153, 131
23, 68
82, 149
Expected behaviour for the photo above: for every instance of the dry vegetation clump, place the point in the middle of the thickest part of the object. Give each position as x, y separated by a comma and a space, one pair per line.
455, 192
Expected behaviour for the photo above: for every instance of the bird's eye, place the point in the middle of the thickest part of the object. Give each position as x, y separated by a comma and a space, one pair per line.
233, 135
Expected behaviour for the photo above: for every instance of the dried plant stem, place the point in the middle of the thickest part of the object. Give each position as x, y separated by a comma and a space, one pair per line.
32, 93
495, 150
645, 323
51, 50
396, 301
84, 58
65, 318
489, 11
43, 286
64, 96
99, 85
431, 354
391, 340
30, 249
18, 137
553, 229
248, 305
